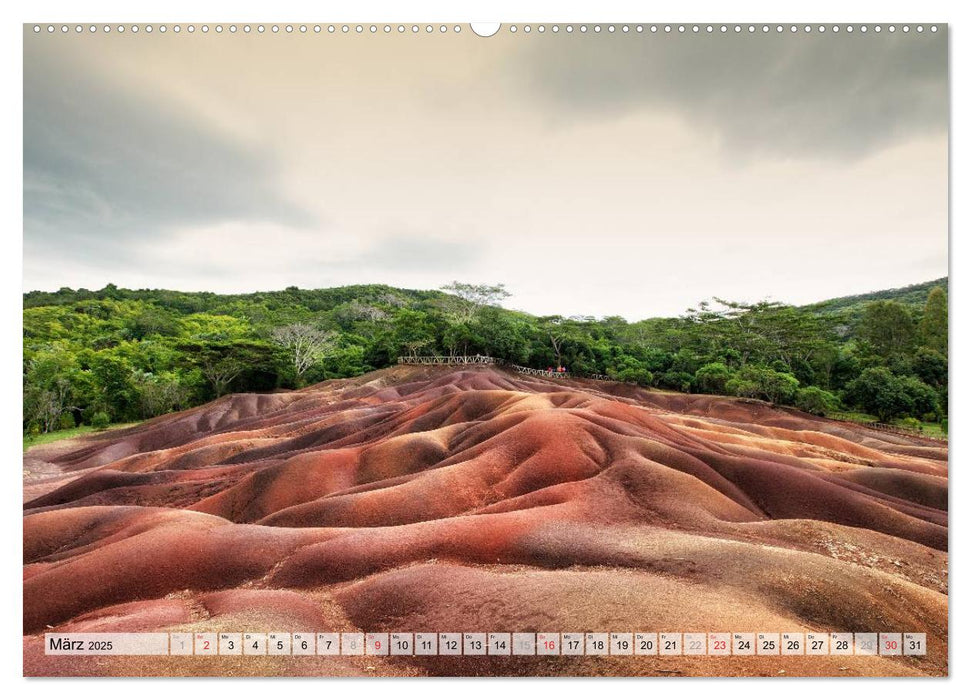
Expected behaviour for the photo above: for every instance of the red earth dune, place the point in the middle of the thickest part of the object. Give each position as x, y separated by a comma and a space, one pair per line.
475, 500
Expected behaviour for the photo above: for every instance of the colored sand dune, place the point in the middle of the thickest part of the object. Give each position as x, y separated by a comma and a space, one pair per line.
430, 499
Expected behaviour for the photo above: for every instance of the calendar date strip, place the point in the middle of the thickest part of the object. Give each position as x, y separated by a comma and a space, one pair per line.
486, 644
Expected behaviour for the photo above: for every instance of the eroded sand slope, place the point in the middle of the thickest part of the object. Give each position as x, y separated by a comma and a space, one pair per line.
475, 500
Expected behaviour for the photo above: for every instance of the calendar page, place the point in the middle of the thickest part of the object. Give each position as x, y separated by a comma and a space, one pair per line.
543, 349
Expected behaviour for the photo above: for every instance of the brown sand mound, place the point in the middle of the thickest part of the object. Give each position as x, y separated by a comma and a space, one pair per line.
422, 499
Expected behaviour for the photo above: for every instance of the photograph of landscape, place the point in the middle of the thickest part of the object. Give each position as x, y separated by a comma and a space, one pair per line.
572, 331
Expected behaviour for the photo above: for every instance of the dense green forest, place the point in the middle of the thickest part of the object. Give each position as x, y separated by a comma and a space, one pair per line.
96, 357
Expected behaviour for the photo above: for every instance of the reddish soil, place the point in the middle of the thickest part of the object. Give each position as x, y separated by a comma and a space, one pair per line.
423, 499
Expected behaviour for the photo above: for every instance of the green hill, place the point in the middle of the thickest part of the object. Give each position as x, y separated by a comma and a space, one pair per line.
210, 302
120, 355
913, 296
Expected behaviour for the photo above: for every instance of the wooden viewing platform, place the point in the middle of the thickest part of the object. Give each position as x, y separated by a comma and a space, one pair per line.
448, 360
455, 360
539, 372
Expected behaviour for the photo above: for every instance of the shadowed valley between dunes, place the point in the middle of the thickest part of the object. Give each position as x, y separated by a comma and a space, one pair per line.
435, 499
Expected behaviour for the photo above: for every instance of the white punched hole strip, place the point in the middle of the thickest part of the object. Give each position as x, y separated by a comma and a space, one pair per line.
488, 29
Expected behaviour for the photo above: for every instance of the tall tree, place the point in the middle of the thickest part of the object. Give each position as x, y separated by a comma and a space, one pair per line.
45, 406
879, 392
412, 331
556, 329
222, 362
469, 299
888, 327
305, 344
933, 326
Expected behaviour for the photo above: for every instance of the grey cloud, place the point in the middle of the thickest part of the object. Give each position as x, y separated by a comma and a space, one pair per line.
406, 253
104, 165
828, 95
308, 257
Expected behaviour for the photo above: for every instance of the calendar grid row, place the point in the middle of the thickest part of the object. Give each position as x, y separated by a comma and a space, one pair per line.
490, 643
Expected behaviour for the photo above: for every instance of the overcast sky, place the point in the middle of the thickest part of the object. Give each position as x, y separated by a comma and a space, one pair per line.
592, 174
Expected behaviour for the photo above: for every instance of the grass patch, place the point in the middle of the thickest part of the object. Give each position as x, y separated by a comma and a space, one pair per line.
929, 429
854, 416
57, 435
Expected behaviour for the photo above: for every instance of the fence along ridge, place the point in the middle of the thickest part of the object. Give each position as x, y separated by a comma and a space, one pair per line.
446, 360
887, 428
485, 360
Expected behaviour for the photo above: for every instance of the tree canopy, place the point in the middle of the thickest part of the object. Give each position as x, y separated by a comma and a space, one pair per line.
132, 354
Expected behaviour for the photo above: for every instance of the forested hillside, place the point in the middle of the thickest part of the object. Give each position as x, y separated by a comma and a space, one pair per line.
112, 355
851, 308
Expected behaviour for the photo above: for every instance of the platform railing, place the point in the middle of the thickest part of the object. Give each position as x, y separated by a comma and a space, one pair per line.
888, 428
448, 360
458, 360
539, 372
